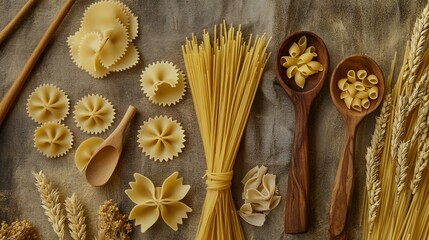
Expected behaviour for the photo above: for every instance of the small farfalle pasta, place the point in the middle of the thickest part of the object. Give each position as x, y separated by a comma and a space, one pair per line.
153, 201
300, 64
48, 103
103, 43
163, 83
94, 114
357, 89
161, 138
53, 139
260, 195
85, 151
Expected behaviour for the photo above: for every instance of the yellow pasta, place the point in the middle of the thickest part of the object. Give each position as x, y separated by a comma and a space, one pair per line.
305, 58
362, 94
306, 71
311, 50
294, 50
291, 71
315, 65
357, 104
352, 90
365, 103
372, 79
361, 74
348, 101
367, 83
343, 85
94, 114
288, 61
344, 94
85, 151
53, 139
222, 102
359, 86
373, 92
300, 79
302, 43
351, 76
48, 104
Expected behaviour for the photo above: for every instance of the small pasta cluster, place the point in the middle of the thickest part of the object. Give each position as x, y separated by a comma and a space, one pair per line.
104, 42
300, 63
358, 88
49, 106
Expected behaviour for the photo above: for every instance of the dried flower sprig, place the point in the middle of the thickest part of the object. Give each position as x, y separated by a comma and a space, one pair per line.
51, 204
112, 224
76, 218
18, 230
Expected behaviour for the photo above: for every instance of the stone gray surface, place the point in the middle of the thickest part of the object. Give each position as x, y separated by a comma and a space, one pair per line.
376, 28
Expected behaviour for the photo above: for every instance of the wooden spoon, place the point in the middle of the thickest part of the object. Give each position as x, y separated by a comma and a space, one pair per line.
343, 188
103, 162
297, 206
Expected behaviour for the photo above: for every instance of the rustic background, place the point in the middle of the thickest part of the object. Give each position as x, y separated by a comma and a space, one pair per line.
375, 28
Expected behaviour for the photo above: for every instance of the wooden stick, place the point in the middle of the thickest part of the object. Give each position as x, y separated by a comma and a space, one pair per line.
14, 22
16, 87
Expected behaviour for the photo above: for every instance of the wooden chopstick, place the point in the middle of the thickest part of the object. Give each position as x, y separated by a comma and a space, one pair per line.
14, 22
17, 85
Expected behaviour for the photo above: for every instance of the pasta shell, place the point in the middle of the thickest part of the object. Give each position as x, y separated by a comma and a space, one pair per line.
362, 94
312, 50
367, 83
343, 85
348, 101
344, 94
315, 65
372, 79
302, 43
294, 50
357, 104
291, 71
299, 80
306, 71
352, 90
366, 103
358, 86
305, 58
288, 61
373, 92
351, 76
361, 74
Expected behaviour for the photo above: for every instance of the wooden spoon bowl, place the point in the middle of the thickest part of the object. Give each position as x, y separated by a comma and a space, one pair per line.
297, 205
313, 82
343, 186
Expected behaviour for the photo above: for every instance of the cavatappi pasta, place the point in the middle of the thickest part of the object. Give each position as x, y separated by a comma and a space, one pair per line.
358, 88
300, 63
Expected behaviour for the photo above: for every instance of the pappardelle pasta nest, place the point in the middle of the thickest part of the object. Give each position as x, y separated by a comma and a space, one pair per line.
104, 42
358, 89
300, 64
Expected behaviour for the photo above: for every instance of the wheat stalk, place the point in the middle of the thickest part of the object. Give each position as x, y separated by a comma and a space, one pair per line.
398, 125
76, 218
418, 40
420, 128
401, 166
51, 204
421, 164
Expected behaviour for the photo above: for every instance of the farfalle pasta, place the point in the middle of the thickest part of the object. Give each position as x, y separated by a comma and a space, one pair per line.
300, 63
260, 195
358, 88
94, 114
48, 104
103, 43
85, 151
153, 201
53, 139
161, 138
163, 83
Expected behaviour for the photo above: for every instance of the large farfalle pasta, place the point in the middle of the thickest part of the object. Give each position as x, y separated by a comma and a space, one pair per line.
85, 150
53, 139
94, 114
48, 103
153, 201
103, 43
163, 83
260, 195
300, 63
161, 138
358, 88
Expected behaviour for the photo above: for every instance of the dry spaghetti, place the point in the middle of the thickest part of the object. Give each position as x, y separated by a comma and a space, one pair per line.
223, 77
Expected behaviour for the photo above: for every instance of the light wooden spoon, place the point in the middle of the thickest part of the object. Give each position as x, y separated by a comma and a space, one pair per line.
297, 206
103, 162
343, 188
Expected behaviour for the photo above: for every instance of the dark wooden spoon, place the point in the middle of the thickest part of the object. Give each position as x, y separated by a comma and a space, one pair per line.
297, 206
343, 188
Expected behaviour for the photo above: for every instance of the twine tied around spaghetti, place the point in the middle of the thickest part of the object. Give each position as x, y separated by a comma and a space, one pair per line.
218, 181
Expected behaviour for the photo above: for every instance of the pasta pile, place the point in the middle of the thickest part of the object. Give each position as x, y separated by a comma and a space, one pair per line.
223, 75
104, 42
163, 83
48, 105
161, 138
358, 88
260, 195
154, 201
300, 63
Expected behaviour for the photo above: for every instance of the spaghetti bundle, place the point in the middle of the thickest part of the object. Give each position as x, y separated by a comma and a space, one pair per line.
223, 78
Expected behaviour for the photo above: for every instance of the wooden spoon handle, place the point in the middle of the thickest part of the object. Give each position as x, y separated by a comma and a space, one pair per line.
14, 22
128, 116
297, 206
341, 198
17, 85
